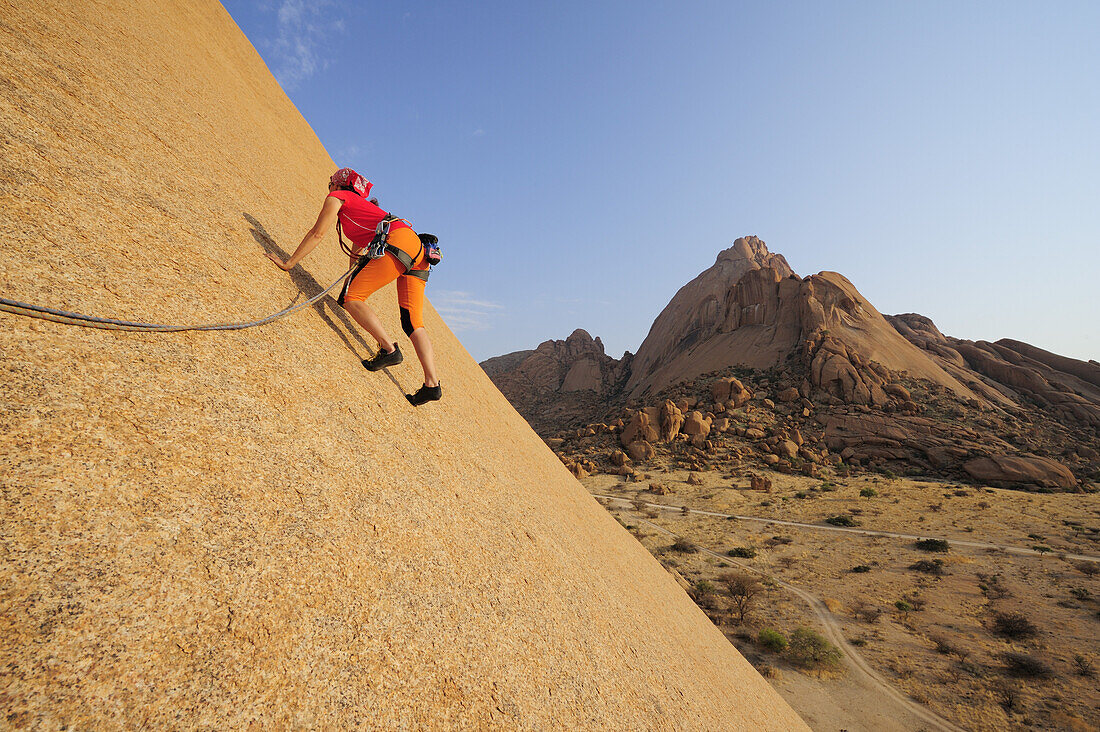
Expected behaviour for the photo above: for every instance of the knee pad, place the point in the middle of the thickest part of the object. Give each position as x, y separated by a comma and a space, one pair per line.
406, 322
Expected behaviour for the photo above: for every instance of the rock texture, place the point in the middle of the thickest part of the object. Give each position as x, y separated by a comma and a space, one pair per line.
577, 369
1011, 373
246, 530
767, 315
709, 307
892, 392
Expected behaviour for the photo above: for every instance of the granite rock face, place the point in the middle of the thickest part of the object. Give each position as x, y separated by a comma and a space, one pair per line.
245, 530
1011, 373
560, 381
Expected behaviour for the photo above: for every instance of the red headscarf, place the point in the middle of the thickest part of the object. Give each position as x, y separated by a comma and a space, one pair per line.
348, 177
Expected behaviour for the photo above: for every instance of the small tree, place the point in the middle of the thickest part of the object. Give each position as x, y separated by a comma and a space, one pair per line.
933, 545
743, 590
810, 648
1082, 665
773, 640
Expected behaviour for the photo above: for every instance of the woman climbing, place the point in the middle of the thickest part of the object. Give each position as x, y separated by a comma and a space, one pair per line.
358, 217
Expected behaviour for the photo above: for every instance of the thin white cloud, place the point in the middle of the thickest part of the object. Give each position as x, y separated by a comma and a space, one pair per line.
462, 311
305, 29
477, 133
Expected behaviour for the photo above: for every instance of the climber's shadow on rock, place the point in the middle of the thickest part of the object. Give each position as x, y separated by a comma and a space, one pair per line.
327, 308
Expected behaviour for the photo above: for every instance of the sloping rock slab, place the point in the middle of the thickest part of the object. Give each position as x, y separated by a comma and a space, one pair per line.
1014, 470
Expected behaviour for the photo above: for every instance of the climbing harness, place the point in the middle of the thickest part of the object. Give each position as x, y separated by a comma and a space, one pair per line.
380, 246
90, 321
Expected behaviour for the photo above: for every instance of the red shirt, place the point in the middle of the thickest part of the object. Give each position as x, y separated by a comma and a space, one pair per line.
359, 218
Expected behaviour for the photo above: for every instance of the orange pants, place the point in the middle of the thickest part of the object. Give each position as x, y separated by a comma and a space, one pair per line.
384, 270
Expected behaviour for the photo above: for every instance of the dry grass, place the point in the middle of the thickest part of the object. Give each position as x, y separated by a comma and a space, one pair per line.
943, 649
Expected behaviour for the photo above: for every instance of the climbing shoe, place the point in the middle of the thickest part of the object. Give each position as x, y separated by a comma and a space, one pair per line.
425, 394
383, 359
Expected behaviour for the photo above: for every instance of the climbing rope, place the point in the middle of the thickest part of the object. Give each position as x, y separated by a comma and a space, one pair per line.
90, 321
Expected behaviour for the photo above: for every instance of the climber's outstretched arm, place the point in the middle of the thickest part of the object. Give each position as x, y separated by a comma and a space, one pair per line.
313, 237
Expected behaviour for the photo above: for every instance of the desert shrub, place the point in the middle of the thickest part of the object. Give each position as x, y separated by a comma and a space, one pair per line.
703, 587
1022, 664
1041, 548
686, 546
744, 552
865, 611
810, 648
1007, 696
1082, 665
933, 545
868, 493
1013, 625
841, 521
858, 642
992, 586
1089, 569
929, 566
779, 541
768, 671
943, 646
1080, 593
801, 494
861, 568
773, 640
903, 606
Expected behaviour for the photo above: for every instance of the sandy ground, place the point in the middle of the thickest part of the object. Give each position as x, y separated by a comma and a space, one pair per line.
969, 685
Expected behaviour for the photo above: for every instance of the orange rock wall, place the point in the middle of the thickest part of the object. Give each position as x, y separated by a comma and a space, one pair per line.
247, 530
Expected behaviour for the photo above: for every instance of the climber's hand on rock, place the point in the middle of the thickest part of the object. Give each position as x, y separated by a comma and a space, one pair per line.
278, 262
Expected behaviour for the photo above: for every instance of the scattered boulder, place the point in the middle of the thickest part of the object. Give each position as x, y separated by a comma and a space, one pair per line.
660, 489
788, 395
694, 479
760, 483
899, 391
639, 429
671, 420
640, 450
786, 449
696, 424
1008, 470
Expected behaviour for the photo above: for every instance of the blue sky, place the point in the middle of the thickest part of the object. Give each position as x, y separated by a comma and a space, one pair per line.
581, 161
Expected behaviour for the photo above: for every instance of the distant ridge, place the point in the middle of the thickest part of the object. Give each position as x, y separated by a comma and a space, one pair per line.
832, 352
